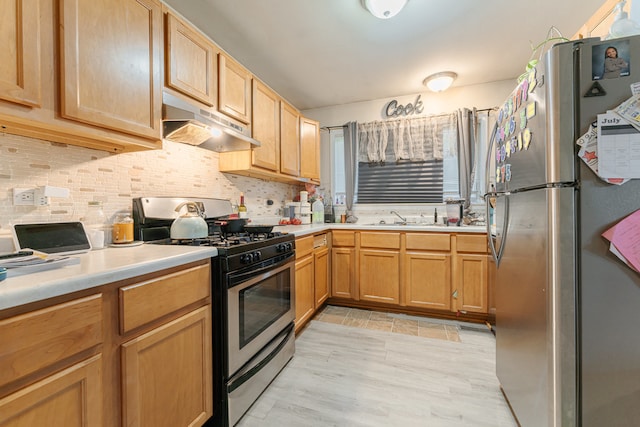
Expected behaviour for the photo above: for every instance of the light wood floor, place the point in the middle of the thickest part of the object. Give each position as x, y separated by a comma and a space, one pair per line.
354, 376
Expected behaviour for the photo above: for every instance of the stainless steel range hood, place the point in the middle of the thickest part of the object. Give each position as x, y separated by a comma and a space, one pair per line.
186, 123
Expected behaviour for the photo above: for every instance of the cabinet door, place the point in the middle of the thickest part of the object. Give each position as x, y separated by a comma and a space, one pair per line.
428, 280
191, 62
321, 272
234, 89
266, 127
71, 397
471, 283
305, 296
20, 64
110, 64
343, 277
380, 276
167, 373
309, 148
289, 140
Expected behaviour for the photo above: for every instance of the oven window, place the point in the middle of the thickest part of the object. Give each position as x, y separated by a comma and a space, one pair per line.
262, 304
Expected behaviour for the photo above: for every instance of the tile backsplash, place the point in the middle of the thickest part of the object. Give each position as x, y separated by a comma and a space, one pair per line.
115, 179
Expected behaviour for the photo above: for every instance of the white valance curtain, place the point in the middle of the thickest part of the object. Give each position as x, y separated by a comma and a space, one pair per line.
415, 139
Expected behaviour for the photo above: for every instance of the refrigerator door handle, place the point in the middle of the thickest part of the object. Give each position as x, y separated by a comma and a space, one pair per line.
501, 229
487, 166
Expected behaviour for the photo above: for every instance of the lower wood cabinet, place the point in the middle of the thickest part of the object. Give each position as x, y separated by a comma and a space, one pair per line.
133, 353
321, 274
443, 272
166, 373
312, 276
471, 283
428, 280
305, 294
71, 397
379, 275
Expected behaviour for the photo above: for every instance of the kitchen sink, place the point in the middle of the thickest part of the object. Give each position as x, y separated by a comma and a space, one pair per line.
403, 224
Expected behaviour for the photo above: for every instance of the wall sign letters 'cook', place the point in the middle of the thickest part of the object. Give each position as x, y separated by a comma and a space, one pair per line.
394, 109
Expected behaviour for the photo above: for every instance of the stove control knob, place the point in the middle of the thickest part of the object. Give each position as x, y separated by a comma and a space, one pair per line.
257, 256
281, 247
288, 247
246, 258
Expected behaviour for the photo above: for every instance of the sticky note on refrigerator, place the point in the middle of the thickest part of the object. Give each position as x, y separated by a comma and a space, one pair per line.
625, 240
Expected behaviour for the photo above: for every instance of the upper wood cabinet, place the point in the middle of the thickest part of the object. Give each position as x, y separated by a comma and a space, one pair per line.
266, 127
289, 140
309, 149
110, 67
20, 65
191, 61
82, 73
234, 89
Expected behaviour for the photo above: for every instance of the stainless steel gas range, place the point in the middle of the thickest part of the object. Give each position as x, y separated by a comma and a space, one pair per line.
252, 300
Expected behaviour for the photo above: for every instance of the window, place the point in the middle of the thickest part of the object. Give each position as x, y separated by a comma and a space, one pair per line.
430, 181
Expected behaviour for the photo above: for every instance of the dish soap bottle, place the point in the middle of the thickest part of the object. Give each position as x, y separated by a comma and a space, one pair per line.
242, 209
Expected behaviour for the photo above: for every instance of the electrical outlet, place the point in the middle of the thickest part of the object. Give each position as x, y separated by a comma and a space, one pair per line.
23, 196
39, 199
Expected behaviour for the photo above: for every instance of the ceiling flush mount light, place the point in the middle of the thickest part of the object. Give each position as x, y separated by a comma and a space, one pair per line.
439, 82
384, 9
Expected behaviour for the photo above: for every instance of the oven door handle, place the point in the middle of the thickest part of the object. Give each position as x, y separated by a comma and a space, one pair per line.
270, 268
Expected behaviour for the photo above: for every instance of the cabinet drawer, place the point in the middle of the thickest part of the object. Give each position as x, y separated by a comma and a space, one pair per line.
304, 246
429, 241
380, 240
38, 339
145, 302
472, 243
343, 238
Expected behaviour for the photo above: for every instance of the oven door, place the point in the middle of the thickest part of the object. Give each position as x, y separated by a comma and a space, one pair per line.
260, 306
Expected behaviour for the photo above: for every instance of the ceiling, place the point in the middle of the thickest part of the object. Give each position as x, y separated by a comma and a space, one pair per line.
318, 53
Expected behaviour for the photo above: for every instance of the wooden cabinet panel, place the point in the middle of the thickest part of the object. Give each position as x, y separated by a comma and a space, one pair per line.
472, 243
305, 296
309, 149
71, 397
144, 302
265, 127
191, 62
38, 339
428, 280
289, 140
20, 65
343, 238
380, 240
110, 64
379, 275
471, 283
167, 373
343, 276
429, 241
304, 246
321, 272
234, 89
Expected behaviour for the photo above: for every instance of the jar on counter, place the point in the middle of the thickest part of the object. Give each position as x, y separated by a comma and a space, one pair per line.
95, 223
122, 228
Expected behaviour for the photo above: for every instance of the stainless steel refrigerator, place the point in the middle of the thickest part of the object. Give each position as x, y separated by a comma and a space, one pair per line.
567, 309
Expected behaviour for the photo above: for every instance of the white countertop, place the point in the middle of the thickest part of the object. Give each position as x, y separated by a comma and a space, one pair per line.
301, 230
112, 264
97, 268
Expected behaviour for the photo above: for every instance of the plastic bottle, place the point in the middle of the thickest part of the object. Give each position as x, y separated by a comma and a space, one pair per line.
317, 209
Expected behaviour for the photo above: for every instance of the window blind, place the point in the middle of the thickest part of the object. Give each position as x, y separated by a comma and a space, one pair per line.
400, 182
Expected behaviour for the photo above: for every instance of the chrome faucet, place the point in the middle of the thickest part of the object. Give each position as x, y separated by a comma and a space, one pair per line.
399, 216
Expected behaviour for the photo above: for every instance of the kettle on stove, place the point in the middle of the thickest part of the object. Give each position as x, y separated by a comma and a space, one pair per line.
191, 225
